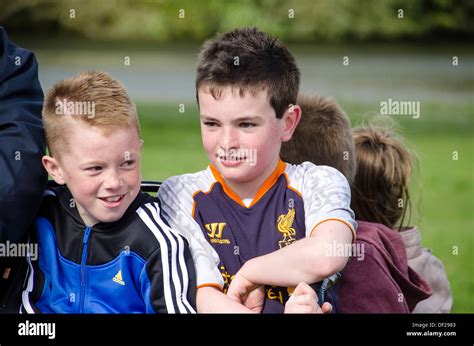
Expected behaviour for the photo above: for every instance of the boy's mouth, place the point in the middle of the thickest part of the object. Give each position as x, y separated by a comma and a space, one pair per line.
231, 158
230, 161
112, 201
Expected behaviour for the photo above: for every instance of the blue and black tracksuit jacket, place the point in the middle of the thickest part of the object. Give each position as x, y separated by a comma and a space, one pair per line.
137, 264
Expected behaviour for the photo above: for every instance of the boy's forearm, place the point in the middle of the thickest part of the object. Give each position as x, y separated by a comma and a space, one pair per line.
307, 260
212, 300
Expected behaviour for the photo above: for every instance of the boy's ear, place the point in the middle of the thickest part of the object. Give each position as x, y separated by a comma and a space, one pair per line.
290, 119
52, 166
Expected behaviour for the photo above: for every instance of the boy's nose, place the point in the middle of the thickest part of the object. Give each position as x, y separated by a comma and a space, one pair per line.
113, 181
229, 139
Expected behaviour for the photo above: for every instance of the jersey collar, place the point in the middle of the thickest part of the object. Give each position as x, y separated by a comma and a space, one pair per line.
267, 184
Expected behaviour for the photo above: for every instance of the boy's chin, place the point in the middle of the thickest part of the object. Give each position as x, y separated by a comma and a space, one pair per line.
110, 217
237, 177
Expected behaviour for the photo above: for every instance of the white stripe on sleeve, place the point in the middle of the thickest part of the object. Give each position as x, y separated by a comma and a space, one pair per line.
181, 290
25, 295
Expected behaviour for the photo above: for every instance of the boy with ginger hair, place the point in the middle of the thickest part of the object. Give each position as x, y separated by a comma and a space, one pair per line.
103, 246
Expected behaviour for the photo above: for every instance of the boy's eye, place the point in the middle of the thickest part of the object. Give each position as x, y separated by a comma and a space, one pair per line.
247, 125
210, 124
94, 169
128, 163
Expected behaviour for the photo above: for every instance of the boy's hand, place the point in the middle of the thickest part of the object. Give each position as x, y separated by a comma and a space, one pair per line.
247, 293
305, 300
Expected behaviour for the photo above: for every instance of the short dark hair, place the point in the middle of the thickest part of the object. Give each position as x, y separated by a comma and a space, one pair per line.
249, 60
323, 136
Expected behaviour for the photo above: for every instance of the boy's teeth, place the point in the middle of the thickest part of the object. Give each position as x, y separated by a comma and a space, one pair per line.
231, 158
113, 199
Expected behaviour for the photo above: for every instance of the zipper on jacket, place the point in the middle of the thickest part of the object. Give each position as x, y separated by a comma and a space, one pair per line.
85, 242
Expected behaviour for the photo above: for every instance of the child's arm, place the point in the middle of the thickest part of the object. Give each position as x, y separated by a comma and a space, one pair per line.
305, 300
177, 204
330, 230
307, 260
211, 299
169, 285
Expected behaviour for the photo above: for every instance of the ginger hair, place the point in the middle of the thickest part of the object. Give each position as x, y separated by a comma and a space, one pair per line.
113, 108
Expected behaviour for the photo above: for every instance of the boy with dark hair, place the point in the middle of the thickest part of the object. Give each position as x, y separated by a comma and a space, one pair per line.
377, 278
261, 226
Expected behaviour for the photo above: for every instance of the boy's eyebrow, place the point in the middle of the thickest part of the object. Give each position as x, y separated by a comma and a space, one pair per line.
207, 117
253, 117
91, 163
127, 155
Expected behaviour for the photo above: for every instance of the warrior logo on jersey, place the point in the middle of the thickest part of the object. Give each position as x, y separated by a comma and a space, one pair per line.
214, 231
285, 226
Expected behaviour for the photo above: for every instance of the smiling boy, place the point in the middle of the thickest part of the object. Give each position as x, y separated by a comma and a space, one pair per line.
257, 228
103, 247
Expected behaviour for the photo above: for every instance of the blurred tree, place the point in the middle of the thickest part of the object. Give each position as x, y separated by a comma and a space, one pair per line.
188, 20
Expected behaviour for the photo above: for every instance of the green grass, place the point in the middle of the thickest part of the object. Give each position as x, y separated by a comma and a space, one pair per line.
172, 141
446, 220
442, 189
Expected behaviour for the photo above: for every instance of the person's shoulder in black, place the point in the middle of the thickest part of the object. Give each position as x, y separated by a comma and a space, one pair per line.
22, 144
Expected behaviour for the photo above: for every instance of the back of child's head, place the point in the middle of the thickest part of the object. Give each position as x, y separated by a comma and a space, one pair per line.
323, 136
384, 166
92, 98
249, 60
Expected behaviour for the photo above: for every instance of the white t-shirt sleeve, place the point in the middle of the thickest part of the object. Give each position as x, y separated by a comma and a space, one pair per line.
177, 204
327, 196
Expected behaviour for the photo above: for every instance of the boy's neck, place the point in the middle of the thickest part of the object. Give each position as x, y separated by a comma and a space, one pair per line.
89, 222
245, 190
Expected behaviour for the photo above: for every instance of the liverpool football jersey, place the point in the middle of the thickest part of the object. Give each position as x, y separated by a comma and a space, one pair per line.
224, 232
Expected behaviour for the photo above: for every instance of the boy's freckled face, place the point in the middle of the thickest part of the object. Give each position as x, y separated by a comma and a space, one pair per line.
102, 172
241, 136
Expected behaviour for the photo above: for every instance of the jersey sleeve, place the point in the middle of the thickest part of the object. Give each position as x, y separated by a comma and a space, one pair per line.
168, 281
177, 205
327, 196
166, 291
